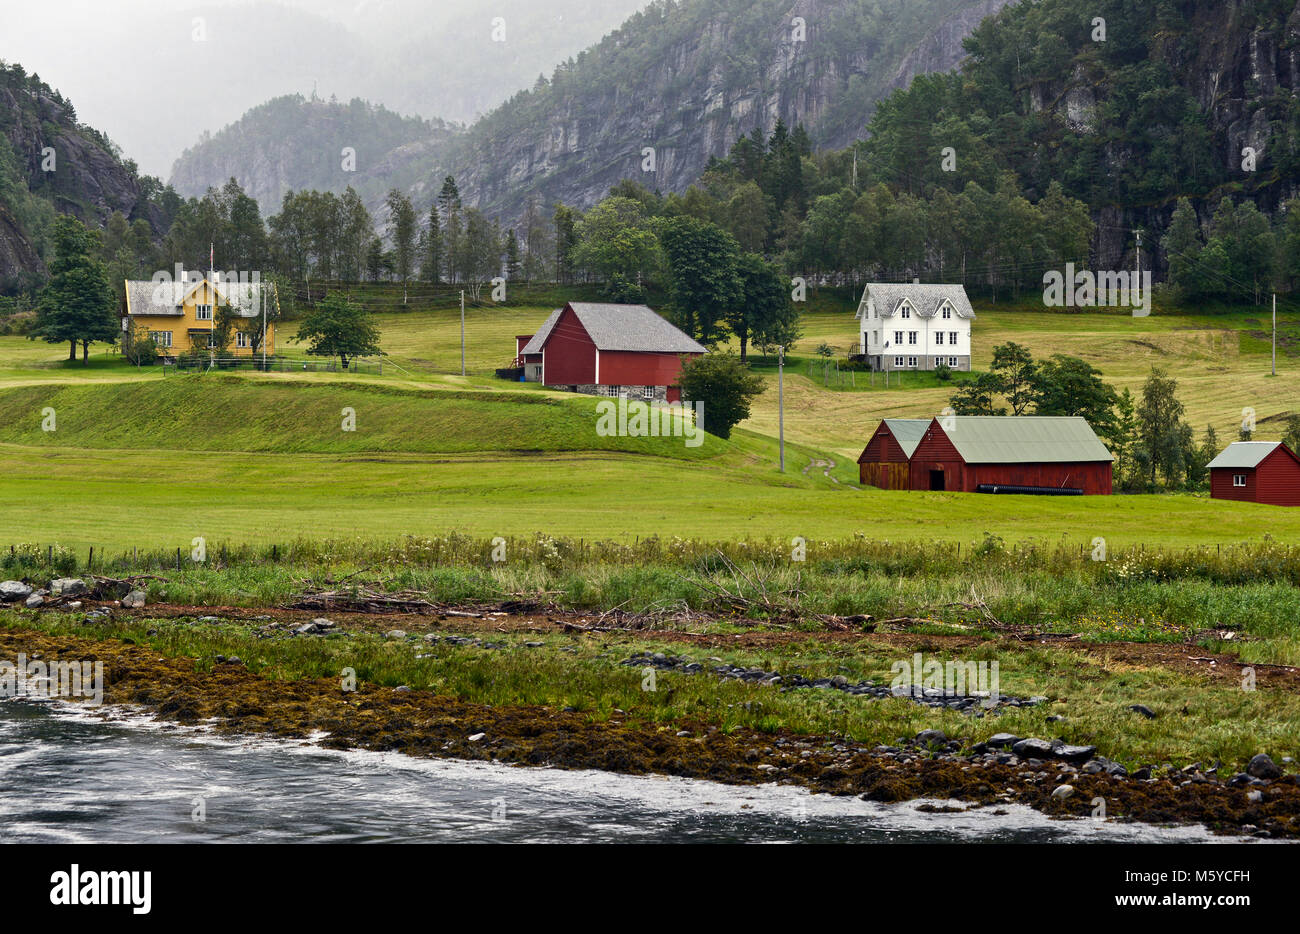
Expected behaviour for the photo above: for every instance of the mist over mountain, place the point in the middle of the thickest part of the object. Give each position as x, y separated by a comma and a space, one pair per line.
685, 79
180, 69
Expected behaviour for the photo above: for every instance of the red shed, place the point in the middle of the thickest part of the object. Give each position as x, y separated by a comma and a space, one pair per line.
611, 350
1257, 472
1045, 455
884, 460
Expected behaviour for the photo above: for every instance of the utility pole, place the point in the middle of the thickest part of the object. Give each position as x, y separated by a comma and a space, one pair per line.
780, 401
462, 332
1275, 334
262, 288
1138, 233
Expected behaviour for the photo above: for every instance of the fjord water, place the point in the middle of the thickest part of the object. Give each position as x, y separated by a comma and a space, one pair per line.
69, 777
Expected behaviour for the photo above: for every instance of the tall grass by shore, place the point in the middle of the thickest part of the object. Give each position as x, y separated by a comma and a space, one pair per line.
1244, 595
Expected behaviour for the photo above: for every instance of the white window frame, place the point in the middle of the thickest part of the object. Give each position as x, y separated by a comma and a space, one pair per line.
911, 362
1239, 480
898, 337
952, 363
938, 337
202, 312
947, 312
161, 338
911, 338
898, 362
905, 312
952, 338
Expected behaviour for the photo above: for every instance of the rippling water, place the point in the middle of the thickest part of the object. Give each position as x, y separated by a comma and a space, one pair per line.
69, 776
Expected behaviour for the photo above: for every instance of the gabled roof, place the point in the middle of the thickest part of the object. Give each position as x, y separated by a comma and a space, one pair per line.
1023, 439
908, 432
926, 299
166, 298
1245, 454
621, 327
538, 339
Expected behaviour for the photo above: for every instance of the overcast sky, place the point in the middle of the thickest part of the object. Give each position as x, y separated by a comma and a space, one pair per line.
155, 74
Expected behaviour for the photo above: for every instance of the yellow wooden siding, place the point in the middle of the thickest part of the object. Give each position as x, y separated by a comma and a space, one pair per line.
179, 326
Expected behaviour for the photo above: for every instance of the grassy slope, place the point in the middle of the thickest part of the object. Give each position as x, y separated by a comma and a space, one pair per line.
222, 412
112, 469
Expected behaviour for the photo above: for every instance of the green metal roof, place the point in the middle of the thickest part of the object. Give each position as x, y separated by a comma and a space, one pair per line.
908, 432
1023, 439
1245, 454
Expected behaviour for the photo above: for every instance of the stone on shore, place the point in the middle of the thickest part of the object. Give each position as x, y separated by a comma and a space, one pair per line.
13, 591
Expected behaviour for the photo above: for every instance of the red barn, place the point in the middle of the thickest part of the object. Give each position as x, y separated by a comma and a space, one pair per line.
884, 460
1011, 454
1257, 472
608, 350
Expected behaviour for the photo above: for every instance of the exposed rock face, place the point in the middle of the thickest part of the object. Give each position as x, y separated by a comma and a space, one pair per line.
87, 180
691, 94
584, 144
1234, 73
942, 49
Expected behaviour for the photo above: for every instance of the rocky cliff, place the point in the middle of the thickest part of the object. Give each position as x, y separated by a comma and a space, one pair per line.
684, 79
678, 84
83, 175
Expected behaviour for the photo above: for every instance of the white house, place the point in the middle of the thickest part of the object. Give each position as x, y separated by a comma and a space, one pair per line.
915, 326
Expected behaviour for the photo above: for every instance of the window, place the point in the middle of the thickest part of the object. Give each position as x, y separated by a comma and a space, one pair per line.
911, 337
938, 338
867, 337
203, 312
241, 339
947, 312
1239, 479
911, 361
898, 361
898, 337
952, 363
161, 338
905, 312
952, 338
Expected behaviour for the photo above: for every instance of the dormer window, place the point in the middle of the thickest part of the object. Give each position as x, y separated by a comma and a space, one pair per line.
203, 312
905, 312
947, 312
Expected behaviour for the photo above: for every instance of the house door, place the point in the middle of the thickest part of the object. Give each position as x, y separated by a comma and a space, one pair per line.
937, 480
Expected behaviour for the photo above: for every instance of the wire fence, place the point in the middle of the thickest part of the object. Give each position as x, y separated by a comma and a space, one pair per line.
272, 365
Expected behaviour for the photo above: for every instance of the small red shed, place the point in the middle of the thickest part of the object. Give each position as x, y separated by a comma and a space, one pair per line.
1257, 472
605, 349
1043, 455
884, 460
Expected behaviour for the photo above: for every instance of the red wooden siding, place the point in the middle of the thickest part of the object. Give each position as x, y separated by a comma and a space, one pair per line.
1221, 484
1275, 481
936, 453
632, 368
883, 462
569, 357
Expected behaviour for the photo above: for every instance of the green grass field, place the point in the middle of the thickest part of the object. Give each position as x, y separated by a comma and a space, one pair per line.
139, 460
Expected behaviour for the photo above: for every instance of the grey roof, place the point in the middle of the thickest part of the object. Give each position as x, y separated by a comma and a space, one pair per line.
926, 299
1245, 453
1023, 439
146, 297
908, 432
622, 327
535, 344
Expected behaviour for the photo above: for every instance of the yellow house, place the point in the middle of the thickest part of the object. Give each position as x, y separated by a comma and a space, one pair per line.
180, 314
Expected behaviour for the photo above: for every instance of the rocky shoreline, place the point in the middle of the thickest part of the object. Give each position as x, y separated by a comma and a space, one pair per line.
1052, 776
